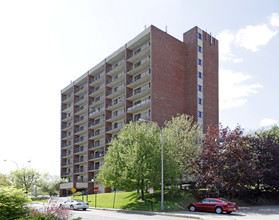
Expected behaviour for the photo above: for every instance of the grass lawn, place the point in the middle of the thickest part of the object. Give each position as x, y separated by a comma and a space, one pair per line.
132, 200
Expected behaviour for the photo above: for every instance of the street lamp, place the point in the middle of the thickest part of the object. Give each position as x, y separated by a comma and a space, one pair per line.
162, 161
13, 162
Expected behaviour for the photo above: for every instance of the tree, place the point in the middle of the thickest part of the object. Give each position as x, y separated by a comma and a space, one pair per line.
50, 184
185, 137
133, 160
25, 178
4, 180
12, 203
226, 161
266, 156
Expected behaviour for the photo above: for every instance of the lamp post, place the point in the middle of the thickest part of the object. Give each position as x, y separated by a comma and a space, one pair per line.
162, 161
13, 162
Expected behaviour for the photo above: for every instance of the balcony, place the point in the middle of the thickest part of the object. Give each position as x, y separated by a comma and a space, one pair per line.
97, 145
67, 136
97, 90
112, 106
80, 149
80, 130
117, 67
139, 107
117, 91
80, 89
80, 139
80, 110
96, 124
65, 164
67, 99
139, 66
115, 80
97, 79
67, 127
139, 79
97, 112
80, 160
67, 145
67, 118
139, 53
136, 94
80, 99
80, 120
80, 170
67, 154
116, 116
96, 102
97, 155
68, 185
97, 134
94, 168
66, 173
114, 129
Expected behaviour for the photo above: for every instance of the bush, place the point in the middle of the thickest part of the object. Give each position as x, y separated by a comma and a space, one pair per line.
50, 213
12, 203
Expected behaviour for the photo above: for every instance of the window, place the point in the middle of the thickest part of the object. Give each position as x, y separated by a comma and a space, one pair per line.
199, 48
199, 114
200, 75
199, 61
200, 36
199, 101
200, 88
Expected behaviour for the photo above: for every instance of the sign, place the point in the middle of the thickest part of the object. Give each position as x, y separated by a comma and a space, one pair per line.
151, 190
73, 190
96, 190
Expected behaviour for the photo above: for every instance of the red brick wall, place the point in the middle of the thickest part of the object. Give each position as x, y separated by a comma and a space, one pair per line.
167, 76
210, 80
190, 41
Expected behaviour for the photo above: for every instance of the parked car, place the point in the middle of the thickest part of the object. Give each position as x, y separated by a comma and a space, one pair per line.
75, 204
213, 205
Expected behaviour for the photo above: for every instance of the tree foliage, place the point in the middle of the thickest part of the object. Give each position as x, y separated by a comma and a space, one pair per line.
25, 178
185, 137
4, 180
12, 203
226, 161
133, 160
50, 184
265, 145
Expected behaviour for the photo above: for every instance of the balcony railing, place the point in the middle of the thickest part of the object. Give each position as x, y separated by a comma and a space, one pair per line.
96, 155
96, 77
67, 173
80, 118
67, 154
80, 170
82, 138
66, 163
81, 159
66, 145
138, 105
91, 146
96, 122
96, 167
81, 149
96, 89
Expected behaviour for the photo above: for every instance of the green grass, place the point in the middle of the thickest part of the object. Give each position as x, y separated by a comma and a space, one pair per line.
132, 200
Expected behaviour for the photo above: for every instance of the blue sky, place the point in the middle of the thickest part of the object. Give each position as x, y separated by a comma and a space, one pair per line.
44, 45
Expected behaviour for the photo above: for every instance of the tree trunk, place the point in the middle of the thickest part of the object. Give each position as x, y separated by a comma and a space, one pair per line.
142, 190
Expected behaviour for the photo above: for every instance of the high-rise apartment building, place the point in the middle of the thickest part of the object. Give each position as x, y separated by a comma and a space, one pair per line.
154, 76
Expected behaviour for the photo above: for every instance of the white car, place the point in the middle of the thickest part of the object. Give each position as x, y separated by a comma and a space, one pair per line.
75, 204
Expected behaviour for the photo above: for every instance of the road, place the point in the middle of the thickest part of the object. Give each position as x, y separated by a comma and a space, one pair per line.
270, 212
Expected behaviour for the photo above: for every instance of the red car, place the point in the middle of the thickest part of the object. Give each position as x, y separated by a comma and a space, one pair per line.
213, 205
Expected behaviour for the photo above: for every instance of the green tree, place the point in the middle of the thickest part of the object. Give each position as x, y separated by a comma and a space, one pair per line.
133, 160
12, 203
25, 178
50, 184
185, 137
4, 180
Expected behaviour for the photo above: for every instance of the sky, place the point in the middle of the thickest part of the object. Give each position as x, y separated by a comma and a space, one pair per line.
44, 45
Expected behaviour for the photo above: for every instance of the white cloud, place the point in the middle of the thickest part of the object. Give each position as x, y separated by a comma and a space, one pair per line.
265, 122
274, 20
238, 60
225, 40
251, 37
233, 91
